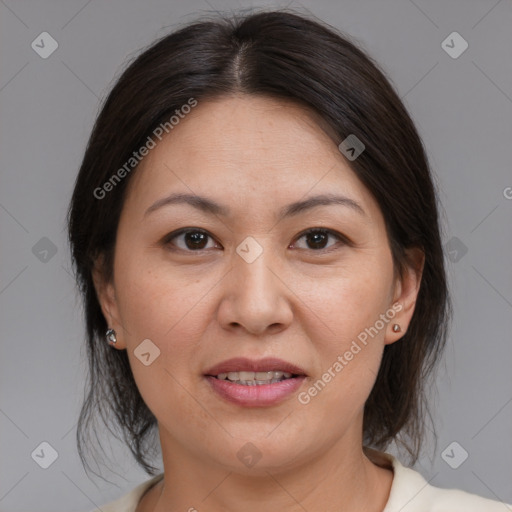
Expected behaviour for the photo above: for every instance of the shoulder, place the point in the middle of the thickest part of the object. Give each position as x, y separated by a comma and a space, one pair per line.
128, 502
410, 492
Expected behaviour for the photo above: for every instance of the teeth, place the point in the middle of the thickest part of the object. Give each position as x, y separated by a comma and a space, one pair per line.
256, 382
254, 378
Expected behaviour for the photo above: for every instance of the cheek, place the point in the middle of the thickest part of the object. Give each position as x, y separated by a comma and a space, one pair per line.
349, 348
350, 301
157, 299
349, 337
169, 310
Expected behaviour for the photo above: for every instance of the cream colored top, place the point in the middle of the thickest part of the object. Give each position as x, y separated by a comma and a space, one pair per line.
410, 492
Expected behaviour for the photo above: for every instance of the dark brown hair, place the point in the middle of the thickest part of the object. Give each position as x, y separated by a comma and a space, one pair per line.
283, 55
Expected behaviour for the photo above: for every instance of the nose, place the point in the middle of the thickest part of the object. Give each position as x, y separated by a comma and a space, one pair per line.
255, 296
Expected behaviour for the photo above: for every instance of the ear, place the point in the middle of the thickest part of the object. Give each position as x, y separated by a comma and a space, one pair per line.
407, 287
105, 291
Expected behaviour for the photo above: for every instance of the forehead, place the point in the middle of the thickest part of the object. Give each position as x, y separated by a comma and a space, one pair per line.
249, 150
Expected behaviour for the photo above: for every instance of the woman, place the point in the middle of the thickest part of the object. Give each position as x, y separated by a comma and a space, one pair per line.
255, 232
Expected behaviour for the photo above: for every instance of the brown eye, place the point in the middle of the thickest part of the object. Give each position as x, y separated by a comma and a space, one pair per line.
317, 239
189, 239
194, 240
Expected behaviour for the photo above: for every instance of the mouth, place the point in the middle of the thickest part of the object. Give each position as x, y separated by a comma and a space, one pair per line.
255, 383
247, 378
255, 372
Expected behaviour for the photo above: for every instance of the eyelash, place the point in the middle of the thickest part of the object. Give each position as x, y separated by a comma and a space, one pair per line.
171, 236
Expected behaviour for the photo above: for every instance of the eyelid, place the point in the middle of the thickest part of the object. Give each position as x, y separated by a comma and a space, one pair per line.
174, 234
342, 238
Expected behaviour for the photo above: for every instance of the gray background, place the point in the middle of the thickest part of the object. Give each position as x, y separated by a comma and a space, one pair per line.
462, 108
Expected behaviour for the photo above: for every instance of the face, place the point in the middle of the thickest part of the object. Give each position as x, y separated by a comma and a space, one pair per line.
312, 285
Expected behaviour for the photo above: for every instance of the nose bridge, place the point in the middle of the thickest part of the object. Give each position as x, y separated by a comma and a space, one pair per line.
252, 263
257, 297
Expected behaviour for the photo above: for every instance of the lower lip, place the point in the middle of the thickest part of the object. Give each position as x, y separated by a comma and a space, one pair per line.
260, 395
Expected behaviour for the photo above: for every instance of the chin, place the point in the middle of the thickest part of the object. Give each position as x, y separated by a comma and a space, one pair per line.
258, 455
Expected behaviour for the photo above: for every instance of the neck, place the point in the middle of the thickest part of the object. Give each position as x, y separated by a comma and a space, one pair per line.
340, 478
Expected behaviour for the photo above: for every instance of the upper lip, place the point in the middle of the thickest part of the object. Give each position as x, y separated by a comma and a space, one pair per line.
239, 364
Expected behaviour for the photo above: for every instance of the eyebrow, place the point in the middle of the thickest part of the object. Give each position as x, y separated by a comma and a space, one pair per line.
210, 206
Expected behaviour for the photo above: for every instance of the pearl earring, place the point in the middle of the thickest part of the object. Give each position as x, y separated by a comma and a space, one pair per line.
111, 336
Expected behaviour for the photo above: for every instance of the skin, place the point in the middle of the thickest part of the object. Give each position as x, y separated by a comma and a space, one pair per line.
296, 301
